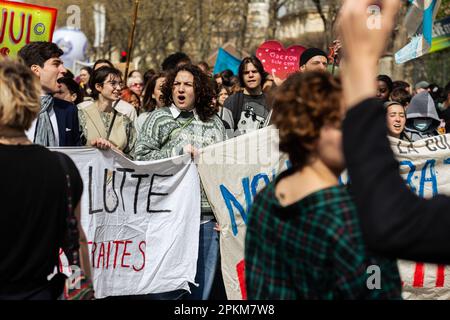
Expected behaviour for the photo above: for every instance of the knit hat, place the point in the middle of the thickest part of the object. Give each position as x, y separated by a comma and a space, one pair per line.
310, 53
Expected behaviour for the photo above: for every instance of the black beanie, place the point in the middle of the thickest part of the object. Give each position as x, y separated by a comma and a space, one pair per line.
310, 53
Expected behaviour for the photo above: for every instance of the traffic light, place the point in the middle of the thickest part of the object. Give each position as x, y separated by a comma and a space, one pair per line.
123, 56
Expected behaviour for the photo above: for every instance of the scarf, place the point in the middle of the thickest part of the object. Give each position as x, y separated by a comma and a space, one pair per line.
44, 134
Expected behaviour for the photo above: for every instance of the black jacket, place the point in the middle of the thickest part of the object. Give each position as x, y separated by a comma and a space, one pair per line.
395, 222
68, 124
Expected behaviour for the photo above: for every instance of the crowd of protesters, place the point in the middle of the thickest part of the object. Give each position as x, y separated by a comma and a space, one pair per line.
305, 239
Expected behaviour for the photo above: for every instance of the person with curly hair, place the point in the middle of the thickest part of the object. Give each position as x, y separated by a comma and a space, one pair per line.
188, 122
303, 238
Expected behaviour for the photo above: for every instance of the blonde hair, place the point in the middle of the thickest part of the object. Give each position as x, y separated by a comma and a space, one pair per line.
19, 95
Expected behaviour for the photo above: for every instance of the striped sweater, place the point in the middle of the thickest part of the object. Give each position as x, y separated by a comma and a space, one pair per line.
162, 136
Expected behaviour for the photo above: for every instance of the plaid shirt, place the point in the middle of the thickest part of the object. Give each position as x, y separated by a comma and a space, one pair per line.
312, 249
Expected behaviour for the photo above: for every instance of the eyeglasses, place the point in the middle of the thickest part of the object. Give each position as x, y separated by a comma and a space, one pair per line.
115, 84
137, 84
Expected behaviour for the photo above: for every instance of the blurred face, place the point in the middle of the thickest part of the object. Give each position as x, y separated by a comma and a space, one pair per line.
330, 149
110, 89
183, 93
137, 87
223, 95
252, 77
383, 91
419, 90
49, 74
65, 94
396, 120
317, 63
102, 64
84, 76
135, 101
157, 92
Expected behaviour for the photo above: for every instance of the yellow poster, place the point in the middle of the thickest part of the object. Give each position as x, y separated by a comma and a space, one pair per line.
22, 23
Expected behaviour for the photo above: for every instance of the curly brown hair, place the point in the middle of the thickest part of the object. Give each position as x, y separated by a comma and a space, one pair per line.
304, 104
204, 93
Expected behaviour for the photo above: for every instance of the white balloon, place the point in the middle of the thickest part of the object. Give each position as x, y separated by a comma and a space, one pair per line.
74, 44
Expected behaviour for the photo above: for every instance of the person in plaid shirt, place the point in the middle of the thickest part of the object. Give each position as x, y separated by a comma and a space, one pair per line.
303, 237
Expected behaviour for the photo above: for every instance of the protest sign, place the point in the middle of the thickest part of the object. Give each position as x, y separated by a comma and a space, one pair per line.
232, 173
419, 25
425, 166
441, 35
142, 221
279, 61
22, 23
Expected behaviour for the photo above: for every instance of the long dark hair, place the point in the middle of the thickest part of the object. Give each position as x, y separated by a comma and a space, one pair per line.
258, 65
149, 103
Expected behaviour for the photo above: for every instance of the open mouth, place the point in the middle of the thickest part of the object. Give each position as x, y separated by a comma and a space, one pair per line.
181, 98
397, 126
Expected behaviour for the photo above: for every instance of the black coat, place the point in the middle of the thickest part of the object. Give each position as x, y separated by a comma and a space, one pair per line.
395, 221
68, 124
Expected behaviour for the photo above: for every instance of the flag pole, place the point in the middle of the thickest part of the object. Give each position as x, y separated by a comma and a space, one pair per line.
131, 39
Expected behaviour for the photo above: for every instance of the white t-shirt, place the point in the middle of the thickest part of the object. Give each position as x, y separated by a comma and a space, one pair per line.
30, 133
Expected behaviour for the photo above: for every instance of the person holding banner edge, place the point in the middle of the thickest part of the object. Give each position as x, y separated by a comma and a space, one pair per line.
394, 221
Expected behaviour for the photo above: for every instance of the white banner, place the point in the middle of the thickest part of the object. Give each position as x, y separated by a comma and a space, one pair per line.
425, 167
232, 174
141, 219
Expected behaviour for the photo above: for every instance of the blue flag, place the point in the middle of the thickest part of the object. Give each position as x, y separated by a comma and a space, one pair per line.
226, 61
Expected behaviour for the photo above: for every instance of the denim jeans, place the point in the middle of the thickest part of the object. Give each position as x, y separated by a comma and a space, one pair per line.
208, 253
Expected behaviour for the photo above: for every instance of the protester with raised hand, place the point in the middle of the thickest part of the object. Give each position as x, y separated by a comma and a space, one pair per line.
303, 239
394, 220
102, 125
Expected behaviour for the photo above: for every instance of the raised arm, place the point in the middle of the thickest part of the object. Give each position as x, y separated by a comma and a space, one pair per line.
395, 221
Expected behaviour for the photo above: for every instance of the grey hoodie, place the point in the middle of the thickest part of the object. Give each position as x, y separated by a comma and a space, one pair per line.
421, 106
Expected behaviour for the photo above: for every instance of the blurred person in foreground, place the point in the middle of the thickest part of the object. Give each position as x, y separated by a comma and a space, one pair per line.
303, 239
395, 222
39, 187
